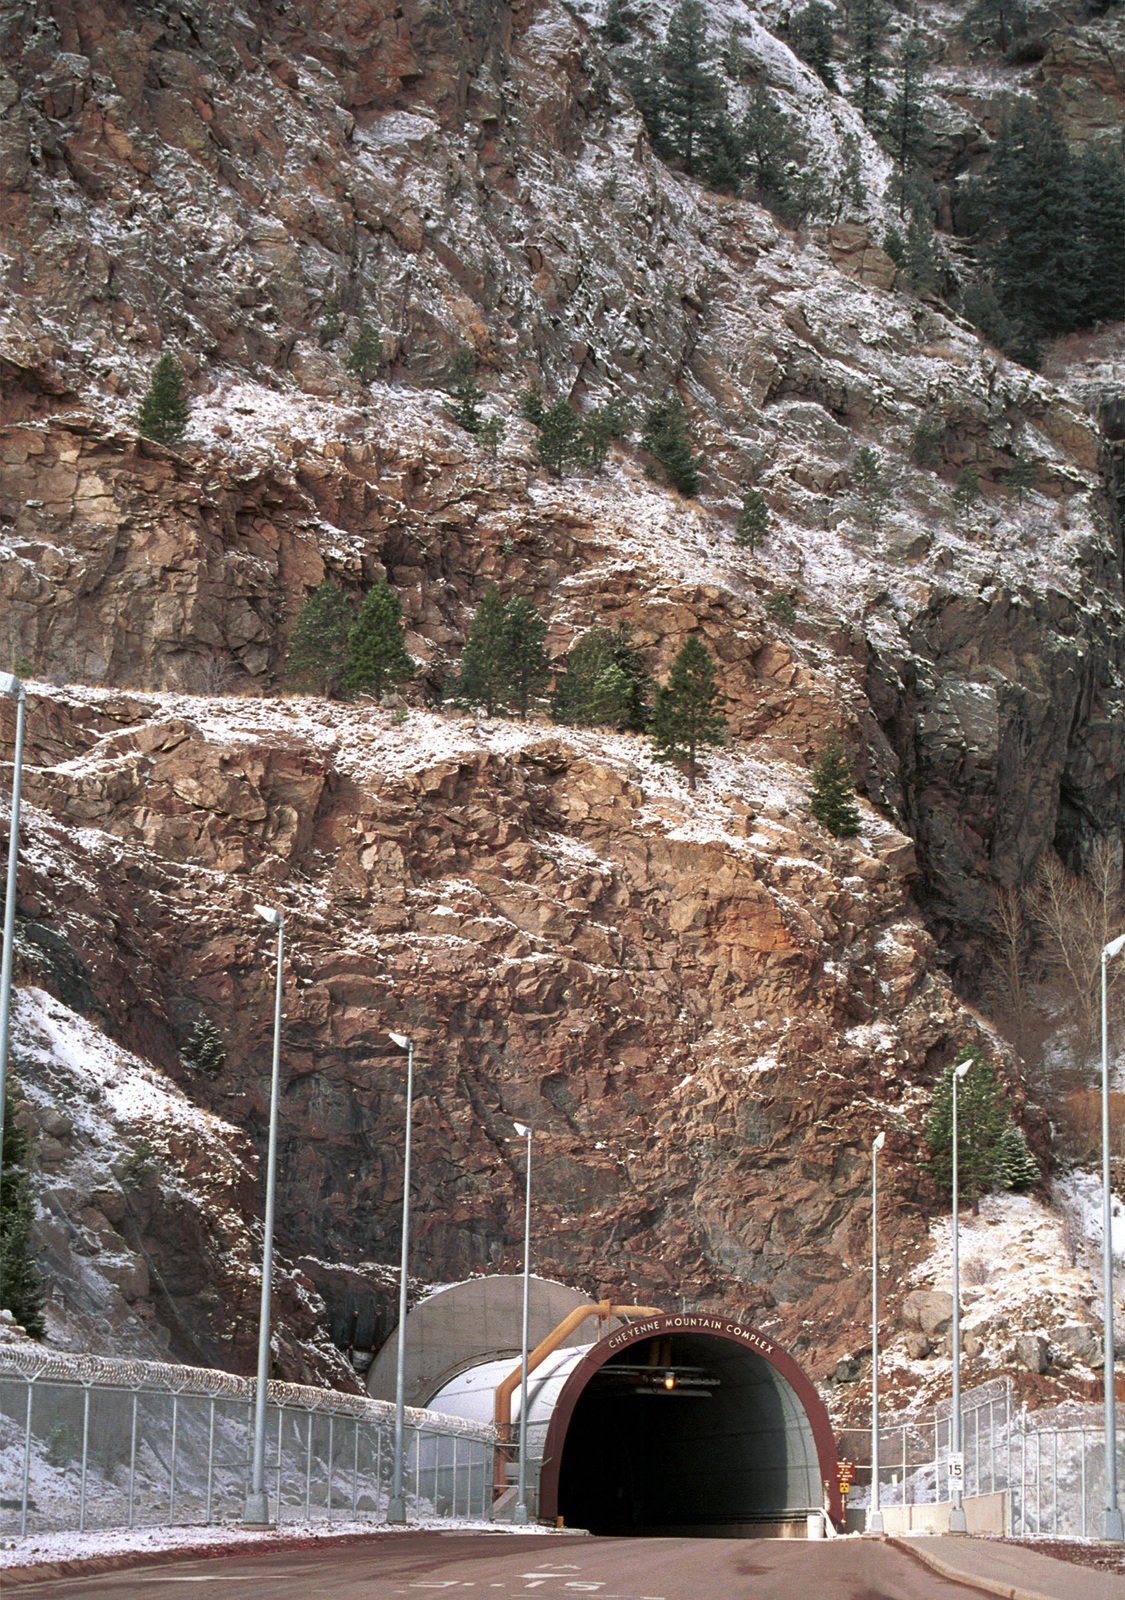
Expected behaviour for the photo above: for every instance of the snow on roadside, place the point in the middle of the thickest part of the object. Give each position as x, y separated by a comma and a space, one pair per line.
47, 1549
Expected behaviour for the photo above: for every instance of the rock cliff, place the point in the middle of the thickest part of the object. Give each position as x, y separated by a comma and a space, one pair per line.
703, 1003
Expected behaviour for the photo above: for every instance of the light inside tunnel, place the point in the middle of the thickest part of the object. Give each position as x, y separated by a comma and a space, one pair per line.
688, 1433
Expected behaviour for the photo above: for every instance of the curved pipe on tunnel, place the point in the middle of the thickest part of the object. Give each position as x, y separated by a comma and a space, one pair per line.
747, 1340
502, 1409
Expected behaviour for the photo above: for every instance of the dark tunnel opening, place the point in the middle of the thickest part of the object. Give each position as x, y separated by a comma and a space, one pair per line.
689, 1434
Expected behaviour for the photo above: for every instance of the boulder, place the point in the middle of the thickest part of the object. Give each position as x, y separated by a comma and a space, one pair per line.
928, 1311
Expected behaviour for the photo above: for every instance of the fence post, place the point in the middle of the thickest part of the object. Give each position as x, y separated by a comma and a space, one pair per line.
1055, 1482
308, 1463
210, 1462
331, 1462
417, 1465
1038, 1483
133, 1459
280, 1424
85, 1456
172, 1460
26, 1459
355, 1465
1082, 1447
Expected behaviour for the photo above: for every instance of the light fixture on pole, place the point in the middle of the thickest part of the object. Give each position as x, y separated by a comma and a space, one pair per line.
396, 1505
874, 1514
519, 1515
957, 1520
1114, 1526
13, 689
257, 1502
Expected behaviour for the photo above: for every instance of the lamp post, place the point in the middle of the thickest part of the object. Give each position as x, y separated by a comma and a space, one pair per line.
13, 688
257, 1502
957, 1522
520, 1513
1114, 1527
396, 1505
874, 1514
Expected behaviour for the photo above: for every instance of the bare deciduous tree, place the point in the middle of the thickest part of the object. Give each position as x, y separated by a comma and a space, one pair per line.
1077, 915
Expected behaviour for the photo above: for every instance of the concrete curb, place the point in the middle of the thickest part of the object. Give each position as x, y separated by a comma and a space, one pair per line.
969, 1580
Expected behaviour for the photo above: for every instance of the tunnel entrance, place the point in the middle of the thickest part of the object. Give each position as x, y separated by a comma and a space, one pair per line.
689, 1425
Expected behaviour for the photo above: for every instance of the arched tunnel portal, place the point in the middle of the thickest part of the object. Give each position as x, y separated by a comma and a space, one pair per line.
688, 1424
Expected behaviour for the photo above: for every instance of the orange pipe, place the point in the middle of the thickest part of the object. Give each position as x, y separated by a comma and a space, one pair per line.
502, 1410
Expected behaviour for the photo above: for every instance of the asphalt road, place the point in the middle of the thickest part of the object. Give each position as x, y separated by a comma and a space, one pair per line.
491, 1567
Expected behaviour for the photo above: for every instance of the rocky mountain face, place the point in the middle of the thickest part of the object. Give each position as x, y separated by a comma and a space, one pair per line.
702, 1002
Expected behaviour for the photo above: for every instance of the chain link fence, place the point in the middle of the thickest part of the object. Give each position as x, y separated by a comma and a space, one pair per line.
1051, 1464
90, 1442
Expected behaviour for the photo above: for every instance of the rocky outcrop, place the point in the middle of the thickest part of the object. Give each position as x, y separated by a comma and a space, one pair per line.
683, 996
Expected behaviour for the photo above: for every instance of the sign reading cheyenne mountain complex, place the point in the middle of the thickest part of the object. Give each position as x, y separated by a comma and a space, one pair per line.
689, 1323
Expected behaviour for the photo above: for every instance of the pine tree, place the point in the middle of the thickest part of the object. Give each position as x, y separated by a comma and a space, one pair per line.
489, 434
1001, 21
21, 1290
722, 155
484, 673
526, 667
1101, 176
331, 323
204, 1050
981, 1119
967, 490
831, 798
318, 645
1021, 476
1016, 1167
922, 257
533, 407
690, 92
604, 683
768, 145
1039, 250
867, 58
734, 55
869, 480
665, 437
599, 427
687, 715
810, 35
163, 413
981, 305
906, 125
753, 521
377, 656
560, 443
464, 389
617, 24
366, 354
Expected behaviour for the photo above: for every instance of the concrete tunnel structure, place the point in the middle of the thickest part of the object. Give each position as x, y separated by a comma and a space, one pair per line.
675, 1423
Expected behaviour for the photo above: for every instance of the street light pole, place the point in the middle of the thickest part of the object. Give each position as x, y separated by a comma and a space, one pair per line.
13, 688
257, 1502
874, 1514
1114, 1526
396, 1505
520, 1513
957, 1521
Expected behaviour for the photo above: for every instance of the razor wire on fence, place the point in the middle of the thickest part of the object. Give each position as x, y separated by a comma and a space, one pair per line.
89, 1442
1051, 1464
